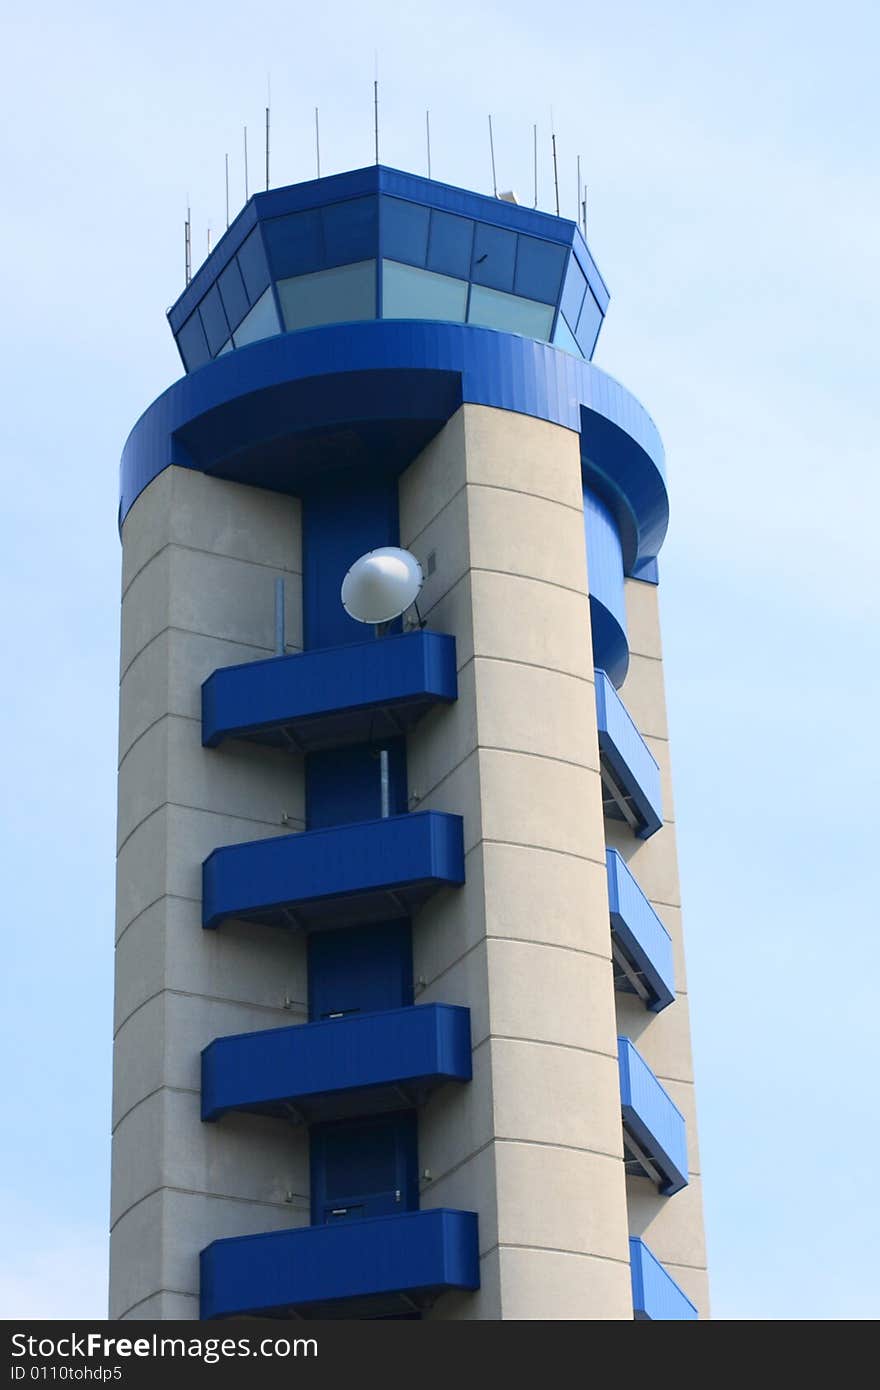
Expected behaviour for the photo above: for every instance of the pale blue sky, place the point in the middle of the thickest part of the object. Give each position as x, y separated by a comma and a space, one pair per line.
731, 158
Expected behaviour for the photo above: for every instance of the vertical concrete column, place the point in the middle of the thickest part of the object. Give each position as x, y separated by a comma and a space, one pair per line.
672, 1227
200, 561
494, 510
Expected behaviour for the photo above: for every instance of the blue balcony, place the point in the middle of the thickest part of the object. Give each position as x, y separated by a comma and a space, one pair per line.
654, 1138
640, 944
367, 872
333, 696
656, 1296
630, 775
355, 1065
376, 1268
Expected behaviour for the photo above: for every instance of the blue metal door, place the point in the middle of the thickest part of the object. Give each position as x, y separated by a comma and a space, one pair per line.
360, 969
364, 1168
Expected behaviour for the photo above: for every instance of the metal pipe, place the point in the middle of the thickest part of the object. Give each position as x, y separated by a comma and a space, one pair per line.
384, 785
279, 617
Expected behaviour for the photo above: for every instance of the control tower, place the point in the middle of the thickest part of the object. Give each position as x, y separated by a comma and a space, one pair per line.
401, 1015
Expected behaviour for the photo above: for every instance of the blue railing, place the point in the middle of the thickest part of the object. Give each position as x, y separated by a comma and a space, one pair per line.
334, 695
376, 1265
628, 763
656, 1296
652, 1119
640, 935
369, 871
396, 1057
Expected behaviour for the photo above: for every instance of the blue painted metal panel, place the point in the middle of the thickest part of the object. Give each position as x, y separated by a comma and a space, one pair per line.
656, 1296
333, 695
343, 785
419, 1048
628, 758
270, 414
372, 870
415, 1254
640, 934
342, 519
607, 601
653, 1119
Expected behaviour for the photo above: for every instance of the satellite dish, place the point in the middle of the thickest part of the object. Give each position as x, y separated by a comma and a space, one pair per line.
381, 585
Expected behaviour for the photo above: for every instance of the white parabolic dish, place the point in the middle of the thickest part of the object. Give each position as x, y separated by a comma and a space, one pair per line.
381, 585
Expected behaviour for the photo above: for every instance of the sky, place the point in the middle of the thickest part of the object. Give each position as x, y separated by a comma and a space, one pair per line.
730, 154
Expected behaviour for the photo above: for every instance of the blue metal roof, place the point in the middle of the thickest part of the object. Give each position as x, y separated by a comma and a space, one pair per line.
273, 414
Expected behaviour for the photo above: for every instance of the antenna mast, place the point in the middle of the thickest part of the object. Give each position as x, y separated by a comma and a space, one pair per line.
376, 109
535, 134
579, 186
555, 172
246, 191
268, 104
428, 139
187, 245
227, 193
317, 144
492, 153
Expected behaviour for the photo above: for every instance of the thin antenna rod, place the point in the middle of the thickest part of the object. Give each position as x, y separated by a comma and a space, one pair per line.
246, 189
209, 241
227, 193
317, 143
428, 139
268, 104
584, 211
579, 186
555, 173
492, 152
376, 116
535, 130
187, 244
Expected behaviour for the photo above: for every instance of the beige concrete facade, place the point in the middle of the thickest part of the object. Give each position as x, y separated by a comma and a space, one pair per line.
200, 560
534, 1142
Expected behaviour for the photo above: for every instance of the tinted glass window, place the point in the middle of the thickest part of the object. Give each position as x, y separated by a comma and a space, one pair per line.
494, 257
193, 344
233, 294
493, 309
410, 293
214, 319
227, 347
449, 244
404, 231
341, 295
589, 324
573, 293
261, 322
539, 267
564, 338
252, 264
350, 232
294, 243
